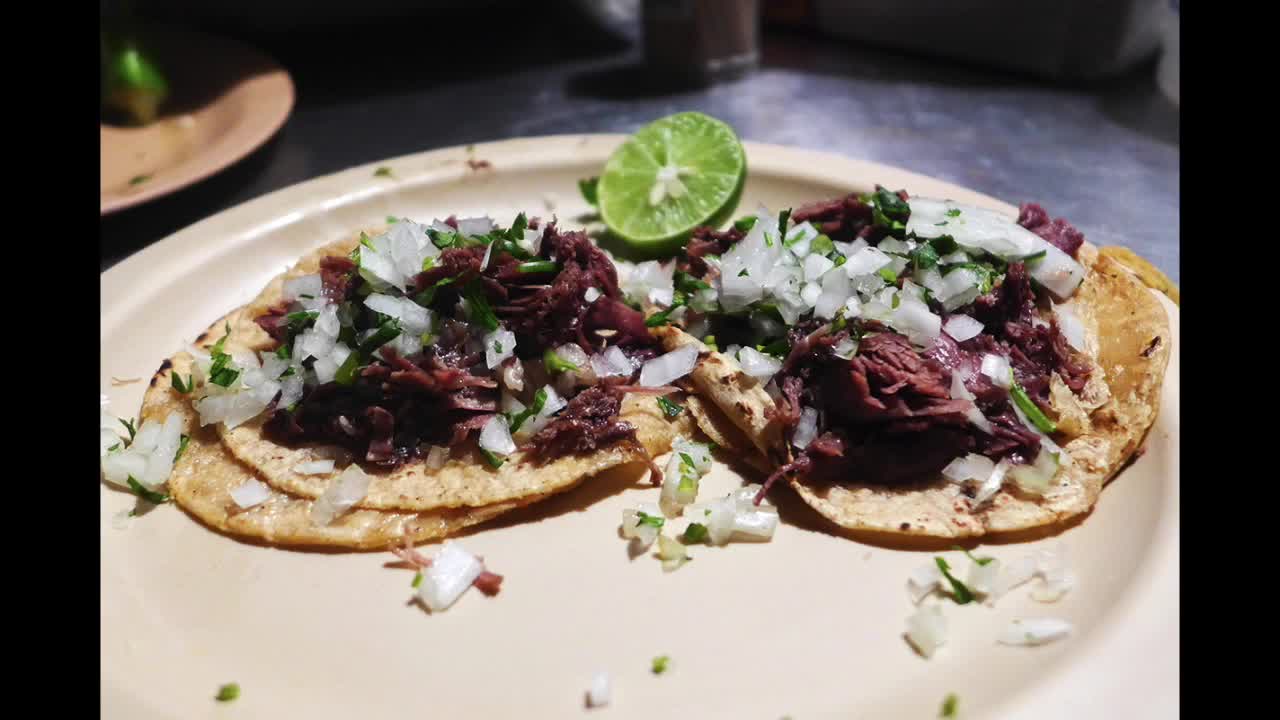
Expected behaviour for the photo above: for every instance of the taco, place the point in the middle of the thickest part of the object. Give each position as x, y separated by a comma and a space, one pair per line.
916, 366
414, 383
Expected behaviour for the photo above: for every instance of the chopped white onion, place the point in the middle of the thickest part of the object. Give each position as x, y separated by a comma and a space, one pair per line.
295, 288
927, 630
1035, 631
970, 467
992, 484
983, 576
472, 227
591, 295
650, 280
118, 466
923, 581
736, 516
1051, 565
437, 457
1037, 477
107, 439
865, 261
699, 453
672, 553
846, 348
314, 467
488, 252
532, 240
666, 369
962, 327
757, 364
800, 237
810, 293
997, 368
611, 362
1015, 574
290, 391
1070, 325
250, 493
815, 266
806, 430
848, 248
341, 495
835, 294
498, 346
971, 227
513, 375
451, 573
1056, 271
495, 436
641, 534
599, 692
414, 319
975, 416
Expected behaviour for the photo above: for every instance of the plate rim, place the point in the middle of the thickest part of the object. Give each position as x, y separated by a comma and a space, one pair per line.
1149, 609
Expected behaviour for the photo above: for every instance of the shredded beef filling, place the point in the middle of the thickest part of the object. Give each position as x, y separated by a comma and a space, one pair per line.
397, 405
887, 414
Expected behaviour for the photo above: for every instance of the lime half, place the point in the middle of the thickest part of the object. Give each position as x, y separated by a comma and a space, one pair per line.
671, 176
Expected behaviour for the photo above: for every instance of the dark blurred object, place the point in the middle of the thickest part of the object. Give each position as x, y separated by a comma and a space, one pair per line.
1063, 39
701, 40
133, 85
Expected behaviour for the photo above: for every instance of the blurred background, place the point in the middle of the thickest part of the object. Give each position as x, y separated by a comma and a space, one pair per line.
1072, 103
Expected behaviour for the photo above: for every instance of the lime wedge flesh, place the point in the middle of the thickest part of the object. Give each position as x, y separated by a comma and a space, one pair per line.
671, 176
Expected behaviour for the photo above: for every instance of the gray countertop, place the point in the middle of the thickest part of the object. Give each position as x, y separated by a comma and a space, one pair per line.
1104, 157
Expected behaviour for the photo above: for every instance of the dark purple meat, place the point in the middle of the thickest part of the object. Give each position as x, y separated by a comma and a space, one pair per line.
589, 421
1059, 233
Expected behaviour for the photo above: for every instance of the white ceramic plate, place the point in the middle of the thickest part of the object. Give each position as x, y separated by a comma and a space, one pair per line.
809, 625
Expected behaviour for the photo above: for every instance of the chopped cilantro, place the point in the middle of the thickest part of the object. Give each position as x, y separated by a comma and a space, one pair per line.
924, 257
284, 352
783, 217
383, 171
588, 187
980, 561
182, 447
497, 346
822, 245
387, 331
669, 408
659, 664
179, 385
694, 533
139, 179
494, 461
365, 241
480, 311
556, 364
744, 273
346, 372
777, 348
228, 692
538, 266
539, 401
417, 579
392, 219
1029, 407
950, 702
150, 496
888, 274
128, 425
953, 212
961, 592
656, 521
686, 283
744, 224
